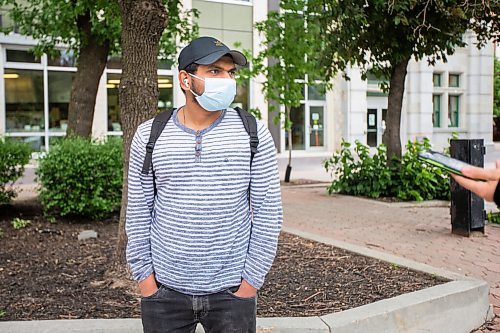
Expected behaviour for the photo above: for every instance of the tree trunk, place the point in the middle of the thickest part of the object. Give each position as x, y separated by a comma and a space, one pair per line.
91, 63
392, 136
143, 23
290, 146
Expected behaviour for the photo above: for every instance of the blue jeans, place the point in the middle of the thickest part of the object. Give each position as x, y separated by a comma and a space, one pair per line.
169, 311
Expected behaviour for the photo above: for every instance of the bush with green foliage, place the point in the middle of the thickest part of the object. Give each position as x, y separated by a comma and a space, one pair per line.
362, 174
14, 155
494, 217
82, 177
366, 174
414, 180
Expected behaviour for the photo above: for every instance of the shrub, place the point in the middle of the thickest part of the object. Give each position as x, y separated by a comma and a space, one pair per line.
81, 177
419, 181
13, 156
494, 217
361, 174
368, 175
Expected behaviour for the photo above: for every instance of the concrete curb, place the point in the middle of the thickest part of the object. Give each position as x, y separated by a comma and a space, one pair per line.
458, 306
314, 185
454, 307
401, 204
73, 326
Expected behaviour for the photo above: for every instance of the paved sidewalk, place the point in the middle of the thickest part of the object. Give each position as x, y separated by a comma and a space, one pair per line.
419, 232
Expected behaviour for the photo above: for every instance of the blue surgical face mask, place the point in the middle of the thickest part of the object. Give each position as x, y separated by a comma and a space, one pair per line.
218, 95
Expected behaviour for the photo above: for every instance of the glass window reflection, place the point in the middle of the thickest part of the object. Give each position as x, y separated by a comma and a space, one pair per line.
24, 100
59, 98
114, 120
241, 98
165, 100
63, 58
21, 56
36, 143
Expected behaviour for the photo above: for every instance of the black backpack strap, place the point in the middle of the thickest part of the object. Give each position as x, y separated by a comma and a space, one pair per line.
250, 124
156, 128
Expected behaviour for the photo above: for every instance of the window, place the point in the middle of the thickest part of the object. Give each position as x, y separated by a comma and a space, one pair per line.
436, 79
24, 100
114, 121
165, 100
453, 110
316, 93
21, 56
115, 62
62, 59
454, 81
316, 121
59, 96
297, 116
242, 93
436, 106
6, 21
374, 79
308, 120
37, 143
446, 99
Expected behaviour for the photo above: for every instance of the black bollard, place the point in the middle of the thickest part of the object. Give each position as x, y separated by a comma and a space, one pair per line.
467, 209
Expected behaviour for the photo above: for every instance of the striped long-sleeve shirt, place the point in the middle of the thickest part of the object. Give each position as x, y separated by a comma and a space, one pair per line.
199, 235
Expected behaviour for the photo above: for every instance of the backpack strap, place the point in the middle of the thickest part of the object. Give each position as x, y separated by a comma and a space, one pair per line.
250, 124
156, 128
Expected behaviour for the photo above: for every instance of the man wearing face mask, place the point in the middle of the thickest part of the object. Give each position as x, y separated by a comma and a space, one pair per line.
201, 244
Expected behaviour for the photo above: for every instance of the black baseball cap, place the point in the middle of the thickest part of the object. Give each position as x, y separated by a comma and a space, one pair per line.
206, 51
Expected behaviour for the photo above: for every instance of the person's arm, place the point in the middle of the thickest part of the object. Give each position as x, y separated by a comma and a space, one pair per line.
265, 199
488, 190
496, 195
139, 216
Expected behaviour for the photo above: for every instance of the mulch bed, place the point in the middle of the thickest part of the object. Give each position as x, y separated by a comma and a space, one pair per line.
47, 273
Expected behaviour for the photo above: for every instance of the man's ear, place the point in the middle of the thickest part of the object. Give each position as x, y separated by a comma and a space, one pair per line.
183, 78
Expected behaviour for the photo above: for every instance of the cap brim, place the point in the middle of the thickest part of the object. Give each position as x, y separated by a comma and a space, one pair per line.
238, 58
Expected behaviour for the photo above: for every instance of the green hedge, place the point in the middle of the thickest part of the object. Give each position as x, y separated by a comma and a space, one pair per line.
13, 156
81, 177
368, 175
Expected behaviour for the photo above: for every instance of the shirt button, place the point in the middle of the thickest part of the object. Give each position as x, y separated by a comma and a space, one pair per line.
197, 153
198, 141
197, 132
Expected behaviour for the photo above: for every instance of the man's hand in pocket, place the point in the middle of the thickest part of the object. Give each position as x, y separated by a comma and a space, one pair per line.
148, 286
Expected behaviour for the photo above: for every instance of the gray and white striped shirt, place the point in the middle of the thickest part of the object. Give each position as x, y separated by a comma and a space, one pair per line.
199, 235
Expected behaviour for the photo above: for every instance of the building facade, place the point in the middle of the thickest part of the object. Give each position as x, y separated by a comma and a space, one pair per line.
439, 100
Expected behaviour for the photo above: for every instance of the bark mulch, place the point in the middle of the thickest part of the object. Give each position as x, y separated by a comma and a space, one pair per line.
47, 273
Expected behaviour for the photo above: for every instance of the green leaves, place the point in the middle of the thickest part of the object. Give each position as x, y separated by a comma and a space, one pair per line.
496, 89
18, 223
366, 174
359, 174
14, 155
378, 33
54, 22
80, 177
289, 59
